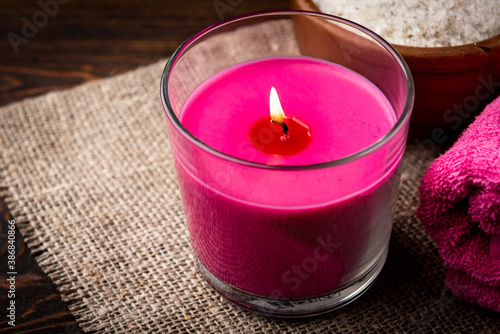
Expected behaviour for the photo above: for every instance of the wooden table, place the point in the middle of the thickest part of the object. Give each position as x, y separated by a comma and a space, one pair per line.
67, 43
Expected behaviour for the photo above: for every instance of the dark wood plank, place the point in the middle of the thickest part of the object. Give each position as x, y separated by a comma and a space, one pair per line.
88, 40
38, 304
83, 41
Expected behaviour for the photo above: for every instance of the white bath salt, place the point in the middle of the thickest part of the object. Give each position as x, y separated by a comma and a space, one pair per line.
422, 23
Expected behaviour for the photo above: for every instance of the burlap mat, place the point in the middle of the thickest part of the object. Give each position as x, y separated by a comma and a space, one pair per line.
90, 180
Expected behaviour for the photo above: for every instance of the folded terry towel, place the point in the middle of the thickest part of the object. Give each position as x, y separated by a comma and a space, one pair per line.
460, 209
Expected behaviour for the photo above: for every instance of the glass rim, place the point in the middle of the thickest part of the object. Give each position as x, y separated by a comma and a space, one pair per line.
287, 13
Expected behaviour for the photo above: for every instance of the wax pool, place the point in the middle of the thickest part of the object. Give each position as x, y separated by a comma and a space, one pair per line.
287, 233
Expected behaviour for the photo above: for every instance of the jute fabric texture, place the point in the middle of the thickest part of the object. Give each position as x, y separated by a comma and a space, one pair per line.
89, 178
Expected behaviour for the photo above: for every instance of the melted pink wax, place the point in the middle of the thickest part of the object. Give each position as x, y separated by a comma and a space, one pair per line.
292, 250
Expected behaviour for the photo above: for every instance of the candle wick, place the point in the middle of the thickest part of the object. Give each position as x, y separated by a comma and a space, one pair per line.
283, 125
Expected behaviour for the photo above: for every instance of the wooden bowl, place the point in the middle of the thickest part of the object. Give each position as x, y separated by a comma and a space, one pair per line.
452, 84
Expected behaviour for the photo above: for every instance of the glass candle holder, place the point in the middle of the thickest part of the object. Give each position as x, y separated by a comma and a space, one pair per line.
302, 230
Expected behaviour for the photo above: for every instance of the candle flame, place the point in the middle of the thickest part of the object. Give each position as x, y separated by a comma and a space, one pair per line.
277, 113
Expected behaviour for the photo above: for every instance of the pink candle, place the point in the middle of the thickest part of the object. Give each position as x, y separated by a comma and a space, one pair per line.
283, 233
344, 111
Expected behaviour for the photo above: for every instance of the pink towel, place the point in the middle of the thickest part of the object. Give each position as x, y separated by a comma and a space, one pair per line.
460, 209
